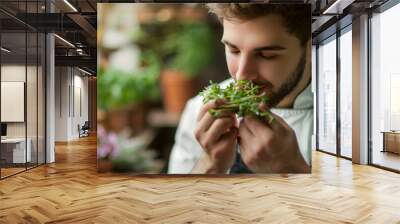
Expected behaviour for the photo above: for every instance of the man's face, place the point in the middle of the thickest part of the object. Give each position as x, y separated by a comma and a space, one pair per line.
261, 50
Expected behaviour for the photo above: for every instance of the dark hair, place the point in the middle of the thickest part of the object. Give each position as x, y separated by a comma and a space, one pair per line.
297, 17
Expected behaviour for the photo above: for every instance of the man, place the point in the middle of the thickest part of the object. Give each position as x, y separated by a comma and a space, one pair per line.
271, 46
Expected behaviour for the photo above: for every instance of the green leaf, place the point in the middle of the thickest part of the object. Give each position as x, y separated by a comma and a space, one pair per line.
243, 98
118, 89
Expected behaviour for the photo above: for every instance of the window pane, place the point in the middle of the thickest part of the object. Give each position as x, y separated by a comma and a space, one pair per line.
14, 150
345, 94
327, 96
31, 97
385, 86
41, 98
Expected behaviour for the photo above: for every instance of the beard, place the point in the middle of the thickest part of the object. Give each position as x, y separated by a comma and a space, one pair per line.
291, 82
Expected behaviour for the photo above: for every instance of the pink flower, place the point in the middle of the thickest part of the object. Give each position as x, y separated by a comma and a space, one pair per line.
105, 150
101, 132
108, 146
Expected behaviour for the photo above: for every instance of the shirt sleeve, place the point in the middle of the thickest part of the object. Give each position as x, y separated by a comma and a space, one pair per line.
186, 151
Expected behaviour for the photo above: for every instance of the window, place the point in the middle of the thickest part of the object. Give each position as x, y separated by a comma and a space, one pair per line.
327, 95
346, 92
22, 75
385, 88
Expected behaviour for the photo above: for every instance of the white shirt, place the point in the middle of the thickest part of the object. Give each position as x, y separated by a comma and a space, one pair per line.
187, 151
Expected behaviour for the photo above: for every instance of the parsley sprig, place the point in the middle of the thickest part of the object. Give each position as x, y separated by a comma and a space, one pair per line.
242, 97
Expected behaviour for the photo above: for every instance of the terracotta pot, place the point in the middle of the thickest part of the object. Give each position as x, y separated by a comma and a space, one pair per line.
177, 89
192, 14
137, 116
104, 165
117, 120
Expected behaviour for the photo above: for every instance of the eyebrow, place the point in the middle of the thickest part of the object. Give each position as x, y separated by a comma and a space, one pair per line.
264, 48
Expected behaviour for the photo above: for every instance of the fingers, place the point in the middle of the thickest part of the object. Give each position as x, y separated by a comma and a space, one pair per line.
205, 119
247, 142
244, 130
278, 123
225, 142
263, 107
205, 123
230, 136
210, 105
245, 137
210, 128
219, 127
256, 126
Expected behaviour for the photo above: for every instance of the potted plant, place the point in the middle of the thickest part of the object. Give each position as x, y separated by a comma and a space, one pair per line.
135, 158
120, 153
187, 50
107, 148
183, 46
123, 95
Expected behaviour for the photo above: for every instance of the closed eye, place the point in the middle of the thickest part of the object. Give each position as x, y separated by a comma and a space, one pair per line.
232, 50
268, 57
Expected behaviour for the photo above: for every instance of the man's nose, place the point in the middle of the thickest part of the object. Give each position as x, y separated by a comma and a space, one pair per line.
247, 69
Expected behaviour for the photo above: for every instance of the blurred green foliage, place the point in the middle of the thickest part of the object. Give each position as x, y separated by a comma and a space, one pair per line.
134, 158
182, 46
118, 89
178, 45
191, 48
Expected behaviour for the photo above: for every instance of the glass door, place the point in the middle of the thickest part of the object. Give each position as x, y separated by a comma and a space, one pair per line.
345, 60
385, 89
14, 153
326, 72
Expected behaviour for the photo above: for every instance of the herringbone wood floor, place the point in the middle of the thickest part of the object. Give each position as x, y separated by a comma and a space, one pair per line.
71, 191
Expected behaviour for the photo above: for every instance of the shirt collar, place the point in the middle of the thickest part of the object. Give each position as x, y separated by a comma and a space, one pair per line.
305, 100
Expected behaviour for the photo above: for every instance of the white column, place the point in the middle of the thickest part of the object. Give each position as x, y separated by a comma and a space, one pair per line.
50, 93
360, 90
62, 103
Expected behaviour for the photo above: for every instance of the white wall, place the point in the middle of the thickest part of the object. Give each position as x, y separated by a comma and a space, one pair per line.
12, 73
70, 83
61, 103
33, 126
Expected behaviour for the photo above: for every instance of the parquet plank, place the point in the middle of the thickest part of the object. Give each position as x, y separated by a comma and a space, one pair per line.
71, 191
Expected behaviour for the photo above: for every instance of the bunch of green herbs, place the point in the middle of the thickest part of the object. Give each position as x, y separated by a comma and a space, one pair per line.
242, 97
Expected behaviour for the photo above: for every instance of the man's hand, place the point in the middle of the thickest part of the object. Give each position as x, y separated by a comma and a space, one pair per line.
270, 148
218, 138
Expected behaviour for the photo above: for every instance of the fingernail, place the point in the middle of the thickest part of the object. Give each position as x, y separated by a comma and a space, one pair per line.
263, 106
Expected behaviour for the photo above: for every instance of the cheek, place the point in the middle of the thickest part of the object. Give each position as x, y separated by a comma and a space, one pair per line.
277, 71
273, 71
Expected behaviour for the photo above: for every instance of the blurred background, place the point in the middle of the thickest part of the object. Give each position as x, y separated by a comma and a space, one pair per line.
152, 58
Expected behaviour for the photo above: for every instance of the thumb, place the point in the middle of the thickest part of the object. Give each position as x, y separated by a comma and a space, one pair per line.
263, 107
